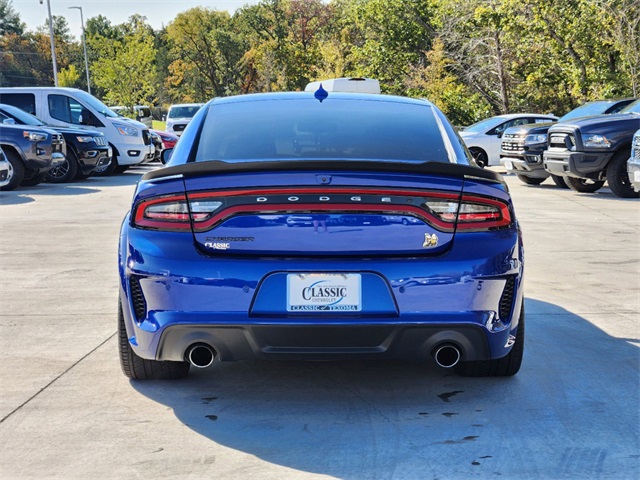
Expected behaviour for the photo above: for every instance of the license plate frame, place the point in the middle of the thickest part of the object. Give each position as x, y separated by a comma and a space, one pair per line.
324, 292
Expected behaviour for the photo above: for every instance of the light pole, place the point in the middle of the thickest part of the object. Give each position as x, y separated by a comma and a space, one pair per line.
84, 43
53, 47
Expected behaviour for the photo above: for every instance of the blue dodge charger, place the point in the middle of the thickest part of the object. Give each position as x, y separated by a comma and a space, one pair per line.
402, 246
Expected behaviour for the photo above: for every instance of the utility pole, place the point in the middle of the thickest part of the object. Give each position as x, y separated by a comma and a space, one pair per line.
84, 43
53, 47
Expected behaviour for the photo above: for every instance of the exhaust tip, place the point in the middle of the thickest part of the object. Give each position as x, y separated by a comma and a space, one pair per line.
447, 356
201, 355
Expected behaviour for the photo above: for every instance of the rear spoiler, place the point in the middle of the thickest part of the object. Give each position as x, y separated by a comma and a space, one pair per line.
198, 169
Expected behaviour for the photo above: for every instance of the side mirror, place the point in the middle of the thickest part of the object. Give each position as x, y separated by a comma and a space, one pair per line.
165, 155
500, 134
9, 121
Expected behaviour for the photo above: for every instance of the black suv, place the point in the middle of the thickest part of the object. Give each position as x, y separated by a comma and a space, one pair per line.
86, 149
32, 152
588, 151
522, 147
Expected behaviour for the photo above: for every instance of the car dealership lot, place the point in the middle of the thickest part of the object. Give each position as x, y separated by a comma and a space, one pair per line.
67, 411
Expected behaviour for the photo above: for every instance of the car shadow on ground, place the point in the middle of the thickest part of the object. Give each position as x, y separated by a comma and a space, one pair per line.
87, 186
571, 412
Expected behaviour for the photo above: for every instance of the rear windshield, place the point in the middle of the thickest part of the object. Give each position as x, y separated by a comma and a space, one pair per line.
20, 116
333, 129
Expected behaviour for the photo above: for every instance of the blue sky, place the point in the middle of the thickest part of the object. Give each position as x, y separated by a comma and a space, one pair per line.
158, 12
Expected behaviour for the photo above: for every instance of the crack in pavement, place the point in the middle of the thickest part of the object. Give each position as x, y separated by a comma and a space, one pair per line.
19, 407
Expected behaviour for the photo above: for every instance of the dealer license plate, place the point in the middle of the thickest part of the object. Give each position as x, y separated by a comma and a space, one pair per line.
324, 292
508, 164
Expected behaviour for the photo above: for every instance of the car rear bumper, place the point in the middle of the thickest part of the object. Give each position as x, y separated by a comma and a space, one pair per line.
414, 341
174, 297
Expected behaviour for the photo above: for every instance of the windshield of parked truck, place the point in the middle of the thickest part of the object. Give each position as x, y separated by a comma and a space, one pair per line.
96, 104
632, 108
591, 108
183, 111
483, 125
20, 116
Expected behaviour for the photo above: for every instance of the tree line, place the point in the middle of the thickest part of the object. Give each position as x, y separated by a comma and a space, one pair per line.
472, 58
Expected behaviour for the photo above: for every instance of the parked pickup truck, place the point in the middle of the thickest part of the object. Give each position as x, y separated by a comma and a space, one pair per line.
522, 147
32, 152
588, 151
86, 149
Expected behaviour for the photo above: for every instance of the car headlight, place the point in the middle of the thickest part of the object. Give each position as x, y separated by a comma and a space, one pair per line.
35, 136
535, 138
595, 141
85, 139
126, 130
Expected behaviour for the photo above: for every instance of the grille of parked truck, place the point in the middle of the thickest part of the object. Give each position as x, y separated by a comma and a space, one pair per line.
522, 147
589, 151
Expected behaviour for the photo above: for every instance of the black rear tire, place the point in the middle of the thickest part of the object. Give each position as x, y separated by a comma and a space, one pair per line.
506, 366
18, 171
139, 368
584, 185
530, 180
618, 177
80, 175
559, 181
66, 172
35, 179
480, 156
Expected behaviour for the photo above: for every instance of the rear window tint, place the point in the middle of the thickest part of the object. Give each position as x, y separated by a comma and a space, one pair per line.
23, 101
333, 129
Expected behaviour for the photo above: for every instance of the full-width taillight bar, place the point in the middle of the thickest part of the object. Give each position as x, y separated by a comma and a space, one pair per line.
204, 210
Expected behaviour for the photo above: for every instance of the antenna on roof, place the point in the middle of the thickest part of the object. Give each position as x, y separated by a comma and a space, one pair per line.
321, 93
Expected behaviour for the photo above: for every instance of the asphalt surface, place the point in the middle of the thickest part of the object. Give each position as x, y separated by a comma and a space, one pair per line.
67, 411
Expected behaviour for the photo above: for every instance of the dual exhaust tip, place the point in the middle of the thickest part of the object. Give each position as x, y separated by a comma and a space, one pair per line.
200, 355
447, 355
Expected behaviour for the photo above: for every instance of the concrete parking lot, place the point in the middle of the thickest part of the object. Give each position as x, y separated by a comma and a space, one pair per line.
67, 411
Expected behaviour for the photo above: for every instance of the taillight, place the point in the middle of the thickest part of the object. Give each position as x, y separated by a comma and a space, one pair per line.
472, 213
173, 213
204, 210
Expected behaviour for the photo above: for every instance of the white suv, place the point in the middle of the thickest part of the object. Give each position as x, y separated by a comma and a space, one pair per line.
180, 115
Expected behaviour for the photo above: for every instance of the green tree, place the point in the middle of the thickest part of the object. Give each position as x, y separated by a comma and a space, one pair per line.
10, 20
68, 77
436, 82
25, 60
207, 52
388, 37
126, 70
